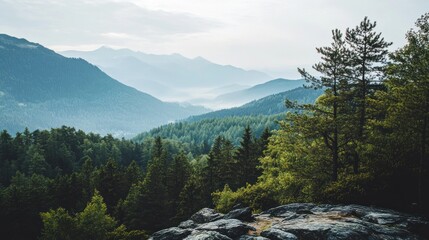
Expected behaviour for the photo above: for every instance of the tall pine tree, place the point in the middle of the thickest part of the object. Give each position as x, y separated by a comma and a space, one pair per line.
368, 54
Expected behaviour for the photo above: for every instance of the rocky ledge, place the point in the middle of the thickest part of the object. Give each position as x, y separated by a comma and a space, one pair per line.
299, 221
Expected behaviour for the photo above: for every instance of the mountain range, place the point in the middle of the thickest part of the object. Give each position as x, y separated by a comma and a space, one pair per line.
41, 89
240, 97
170, 77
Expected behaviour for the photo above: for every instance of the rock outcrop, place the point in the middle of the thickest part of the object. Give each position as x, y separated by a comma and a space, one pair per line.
300, 221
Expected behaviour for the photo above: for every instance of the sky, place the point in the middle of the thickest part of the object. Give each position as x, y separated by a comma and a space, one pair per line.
274, 36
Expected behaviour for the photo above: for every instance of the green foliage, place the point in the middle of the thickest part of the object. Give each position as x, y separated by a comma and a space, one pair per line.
121, 233
198, 136
247, 159
92, 223
58, 224
259, 197
349, 189
21, 203
363, 141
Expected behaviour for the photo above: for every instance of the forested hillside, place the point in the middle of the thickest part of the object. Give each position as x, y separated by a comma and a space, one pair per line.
201, 134
270, 105
65, 183
238, 98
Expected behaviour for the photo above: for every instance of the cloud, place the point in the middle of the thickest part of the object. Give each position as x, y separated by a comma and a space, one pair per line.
119, 35
66, 22
269, 35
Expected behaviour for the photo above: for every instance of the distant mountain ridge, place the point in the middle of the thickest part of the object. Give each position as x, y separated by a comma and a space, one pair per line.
273, 104
42, 89
259, 91
167, 76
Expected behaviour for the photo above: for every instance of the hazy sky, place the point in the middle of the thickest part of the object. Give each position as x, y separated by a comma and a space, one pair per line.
275, 36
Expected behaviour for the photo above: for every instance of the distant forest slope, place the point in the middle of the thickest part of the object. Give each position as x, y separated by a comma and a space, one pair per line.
273, 104
259, 91
201, 134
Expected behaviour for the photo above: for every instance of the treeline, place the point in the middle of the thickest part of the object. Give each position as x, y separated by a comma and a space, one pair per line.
66, 184
365, 139
198, 136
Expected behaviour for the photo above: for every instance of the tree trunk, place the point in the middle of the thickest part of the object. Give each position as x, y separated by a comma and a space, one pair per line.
422, 159
335, 140
362, 115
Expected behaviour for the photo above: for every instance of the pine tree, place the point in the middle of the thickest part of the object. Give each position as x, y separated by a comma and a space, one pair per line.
178, 174
111, 181
247, 160
335, 70
226, 170
36, 163
145, 205
94, 222
213, 163
263, 141
368, 54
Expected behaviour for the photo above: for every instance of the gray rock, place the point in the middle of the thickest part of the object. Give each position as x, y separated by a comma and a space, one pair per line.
276, 234
293, 207
232, 228
302, 221
237, 206
304, 211
206, 215
173, 233
188, 224
206, 235
333, 226
244, 214
249, 237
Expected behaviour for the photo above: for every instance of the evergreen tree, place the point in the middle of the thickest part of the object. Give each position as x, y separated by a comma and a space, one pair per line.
330, 109
111, 181
35, 161
247, 160
145, 205
213, 163
226, 171
262, 143
368, 53
94, 222
178, 174
58, 224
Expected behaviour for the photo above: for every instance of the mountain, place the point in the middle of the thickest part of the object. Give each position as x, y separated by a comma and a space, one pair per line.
273, 104
41, 89
240, 97
168, 77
